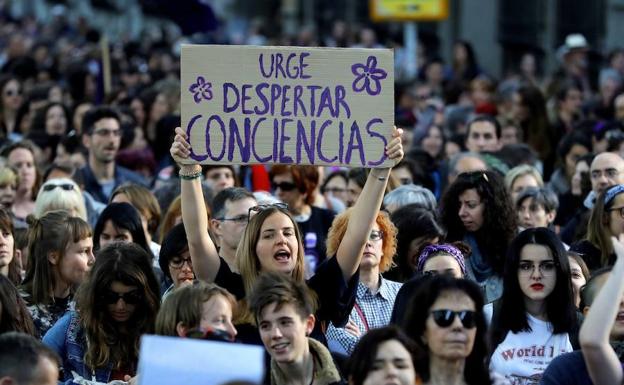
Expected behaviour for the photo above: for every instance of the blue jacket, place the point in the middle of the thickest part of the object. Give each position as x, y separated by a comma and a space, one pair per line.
122, 175
67, 339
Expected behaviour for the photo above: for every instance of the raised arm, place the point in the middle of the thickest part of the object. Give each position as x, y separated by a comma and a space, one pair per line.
603, 364
194, 216
365, 210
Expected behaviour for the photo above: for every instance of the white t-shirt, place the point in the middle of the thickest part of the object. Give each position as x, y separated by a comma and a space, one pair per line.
523, 357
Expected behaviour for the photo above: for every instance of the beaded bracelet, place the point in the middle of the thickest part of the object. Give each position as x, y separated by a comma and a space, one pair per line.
190, 176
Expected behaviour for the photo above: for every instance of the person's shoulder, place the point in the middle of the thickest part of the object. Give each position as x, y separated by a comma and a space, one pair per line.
567, 369
128, 175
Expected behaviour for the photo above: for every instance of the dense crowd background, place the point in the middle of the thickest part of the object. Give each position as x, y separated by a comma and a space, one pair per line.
513, 186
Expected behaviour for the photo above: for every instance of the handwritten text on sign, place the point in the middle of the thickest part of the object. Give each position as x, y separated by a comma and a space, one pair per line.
291, 105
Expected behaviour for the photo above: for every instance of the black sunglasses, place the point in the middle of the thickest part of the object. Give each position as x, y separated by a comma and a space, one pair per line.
64, 186
445, 318
284, 186
209, 334
256, 209
131, 298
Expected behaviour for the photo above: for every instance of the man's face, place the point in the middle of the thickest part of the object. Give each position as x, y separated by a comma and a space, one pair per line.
606, 170
284, 332
104, 140
230, 230
482, 137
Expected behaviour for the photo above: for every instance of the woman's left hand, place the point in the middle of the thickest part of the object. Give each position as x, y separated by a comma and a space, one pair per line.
131, 380
394, 149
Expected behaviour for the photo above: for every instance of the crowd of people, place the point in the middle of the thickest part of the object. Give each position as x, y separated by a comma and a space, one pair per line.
489, 253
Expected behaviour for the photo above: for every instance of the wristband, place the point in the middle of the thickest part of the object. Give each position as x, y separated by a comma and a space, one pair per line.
190, 176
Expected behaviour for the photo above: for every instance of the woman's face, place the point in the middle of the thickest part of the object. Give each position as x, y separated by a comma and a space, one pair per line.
55, 121
217, 314
471, 210
432, 143
277, 247
576, 151
7, 246
454, 341
518, 110
122, 301
286, 190
393, 365
353, 192
522, 182
578, 280
11, 95
579, 169
532, 214
23, 161
616, 217
111, 234
337, 187
373, 250
537, 272
76, 262
414, 247
181, 269
443, 264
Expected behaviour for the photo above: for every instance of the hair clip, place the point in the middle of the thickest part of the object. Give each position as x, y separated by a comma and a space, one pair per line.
486, 177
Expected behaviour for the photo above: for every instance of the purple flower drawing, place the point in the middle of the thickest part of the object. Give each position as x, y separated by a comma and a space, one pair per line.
201, 90
368, 77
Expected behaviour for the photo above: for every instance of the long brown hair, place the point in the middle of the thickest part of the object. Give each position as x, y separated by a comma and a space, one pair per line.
130, 265
598, 232
13, 314
51, 233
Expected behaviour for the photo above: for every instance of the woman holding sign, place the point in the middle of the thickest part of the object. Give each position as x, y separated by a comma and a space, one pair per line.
272, 242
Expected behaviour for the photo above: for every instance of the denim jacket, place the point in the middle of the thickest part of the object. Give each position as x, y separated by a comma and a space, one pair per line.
67, 339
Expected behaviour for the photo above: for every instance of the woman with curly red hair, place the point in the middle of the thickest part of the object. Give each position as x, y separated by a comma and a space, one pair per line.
375, 295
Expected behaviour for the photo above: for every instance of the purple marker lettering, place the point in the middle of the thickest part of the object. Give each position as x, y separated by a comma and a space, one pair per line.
375, 134
283, 158
276, 91
275, 136
265, 102
341, 142
340, 94
326, 102
222, 141
319, 143
236, 136
302, 65
245, 98
297, 102
355, 136
285, 100
290, 66
279, 59
226, 107
189, 128
313, 90
260, 59
302, 141
253, 143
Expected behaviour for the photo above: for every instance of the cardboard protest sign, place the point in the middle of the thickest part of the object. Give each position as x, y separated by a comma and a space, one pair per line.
289, 105
172, 360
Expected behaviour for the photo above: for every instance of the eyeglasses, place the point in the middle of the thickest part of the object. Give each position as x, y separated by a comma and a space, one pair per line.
621, 209
209, 334
240, 219
64, 186
375, 235
284, 186
546, 268
107, 132
131, 298
609, 173
445, 318
256, 209
177, 263
13, 92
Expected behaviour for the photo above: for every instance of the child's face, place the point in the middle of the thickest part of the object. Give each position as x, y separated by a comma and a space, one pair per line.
7, 195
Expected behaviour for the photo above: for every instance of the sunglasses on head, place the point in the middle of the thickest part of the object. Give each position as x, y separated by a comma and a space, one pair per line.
209, 334
445, 318
64, 186
284, 186
131, 298
256, 209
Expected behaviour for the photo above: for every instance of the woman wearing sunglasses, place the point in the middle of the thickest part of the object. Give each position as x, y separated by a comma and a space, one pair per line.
202, 310
272, 242
60, 254
60, 194
535, 319
375, 295
115, 306
446, 321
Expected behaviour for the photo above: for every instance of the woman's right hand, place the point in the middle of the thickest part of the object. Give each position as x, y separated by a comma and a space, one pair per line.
180, 148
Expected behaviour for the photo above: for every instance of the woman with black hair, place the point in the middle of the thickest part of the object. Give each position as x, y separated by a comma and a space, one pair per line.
476, 209
415, 227
446, 321
175, 260
535, 320
119, 222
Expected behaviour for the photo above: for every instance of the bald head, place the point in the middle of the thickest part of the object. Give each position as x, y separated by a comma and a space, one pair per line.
606, 170
465, 162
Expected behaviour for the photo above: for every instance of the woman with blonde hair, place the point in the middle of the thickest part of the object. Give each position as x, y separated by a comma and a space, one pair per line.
8, 187
521, 177
375, 295
202, 310
272, 241
60, 194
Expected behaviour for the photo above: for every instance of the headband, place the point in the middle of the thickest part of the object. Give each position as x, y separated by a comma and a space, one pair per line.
446, 248
612, 192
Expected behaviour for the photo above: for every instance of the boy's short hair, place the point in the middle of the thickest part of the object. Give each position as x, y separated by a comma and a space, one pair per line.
280, 289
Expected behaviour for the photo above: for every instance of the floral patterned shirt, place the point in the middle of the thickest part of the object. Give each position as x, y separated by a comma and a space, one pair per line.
45, 316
